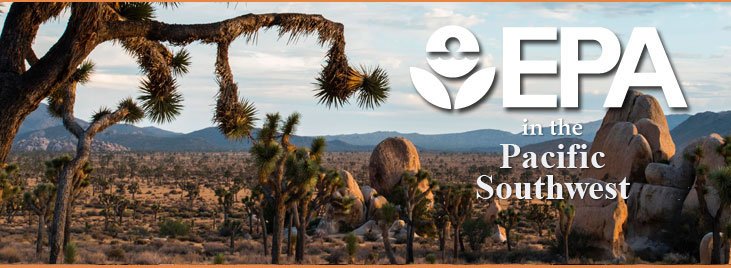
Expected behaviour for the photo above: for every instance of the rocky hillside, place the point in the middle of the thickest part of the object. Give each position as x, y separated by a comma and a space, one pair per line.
701, 124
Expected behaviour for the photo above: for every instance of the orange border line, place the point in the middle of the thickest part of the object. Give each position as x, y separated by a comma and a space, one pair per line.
432, 1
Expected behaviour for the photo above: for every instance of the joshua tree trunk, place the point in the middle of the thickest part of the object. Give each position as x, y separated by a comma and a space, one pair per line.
67, 230
716, 253
63, 195
264, 236
278, 230
507, 239
410, 244
455, 238
715, 228
443, 242
387, 244
39, 239
566, 246
302, 215
232, 243
289, 235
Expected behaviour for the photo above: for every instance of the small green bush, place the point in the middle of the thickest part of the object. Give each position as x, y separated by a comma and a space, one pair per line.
219, 259
174, 228
69, 254
116, 254
351, 246
431, 258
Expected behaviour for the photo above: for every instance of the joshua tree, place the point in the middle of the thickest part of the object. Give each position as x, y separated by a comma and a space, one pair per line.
6, 185
540, 215
40, 201
233, 228
61, 104
109, 203
441, 220
457, 202
225, 198
251, 209
155, 210
701, 173
133, 188
133, 25
385, 216
416, 188
259, 201
507, 218
11, 191
303, 169
328, 181
566, 213
271, 156
119, 207
722, 181
192, 190
78, 185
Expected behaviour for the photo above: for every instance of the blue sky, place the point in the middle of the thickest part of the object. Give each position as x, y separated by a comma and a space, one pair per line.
278, 77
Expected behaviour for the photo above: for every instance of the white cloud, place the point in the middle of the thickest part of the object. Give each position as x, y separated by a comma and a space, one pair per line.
437, 17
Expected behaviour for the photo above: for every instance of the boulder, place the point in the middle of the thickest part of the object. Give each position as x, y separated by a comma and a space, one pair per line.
368, 227
655, 203
352, 185
375, 204
326, 227
389, 160
632, 137
678, 173
397, 226
658, 137
654, 214
368, 193
490, 215
603, 225
706, 249
354, 217
627, 154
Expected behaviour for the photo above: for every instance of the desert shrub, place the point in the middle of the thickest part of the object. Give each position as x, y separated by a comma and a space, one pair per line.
677, 258
430, 258
372, 258
213, 249
174, 228
9, 255
69, 254
335, 257
94, 258
476, 231
146, 258
116, 254
351, 246
371, 236
219, 259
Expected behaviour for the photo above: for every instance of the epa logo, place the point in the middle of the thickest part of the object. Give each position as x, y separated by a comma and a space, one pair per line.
461, 62
452, 64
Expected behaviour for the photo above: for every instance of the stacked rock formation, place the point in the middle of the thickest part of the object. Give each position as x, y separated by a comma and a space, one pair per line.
632, 138
638, 146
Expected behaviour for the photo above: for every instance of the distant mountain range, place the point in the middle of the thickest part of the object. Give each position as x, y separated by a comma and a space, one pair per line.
41, 132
